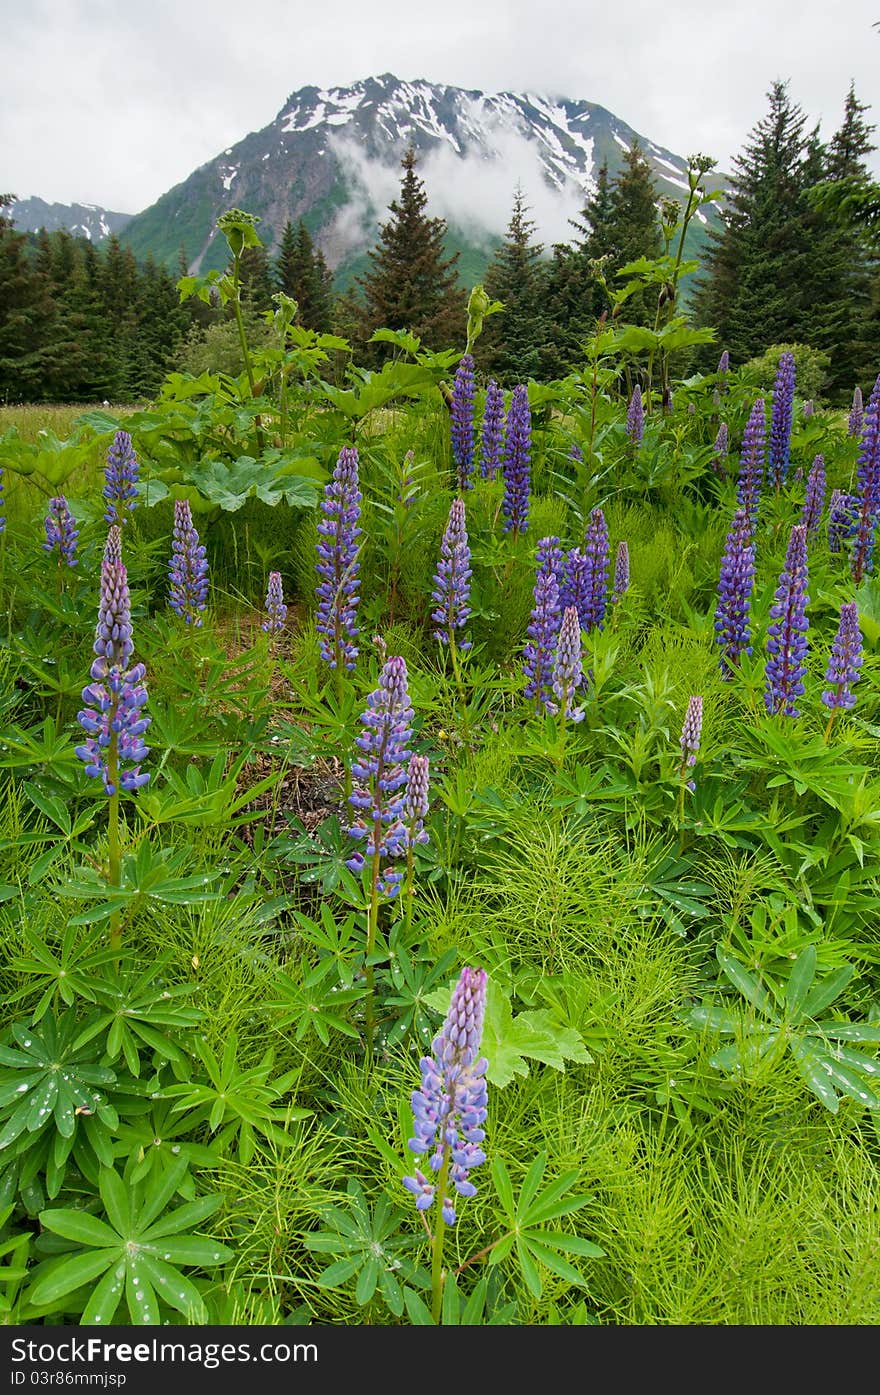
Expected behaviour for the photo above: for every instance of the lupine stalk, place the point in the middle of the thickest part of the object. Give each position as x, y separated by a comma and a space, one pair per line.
452, 587
787, 633
719, 451
722, 370
415, 811
113, 720
597, 553
780, 421
735, 594
378, 798
276, 610
635, 418
462, 411
809, 409
188, 569
120, 479
691, 732
868, 490
113, 544
449, 1112
854, 425
493, 431
574, 584
814, 499
621, 572
337, 564
842, 512
544, 625
844, 663
751, 467
2, 502
61, 531
517, 463
567, 671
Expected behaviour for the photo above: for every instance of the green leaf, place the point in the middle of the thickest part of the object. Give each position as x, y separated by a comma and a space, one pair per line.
117, 1201
419, 1313
803, 972
70, 1275
139, 1296
79, 1226
746, 982
103, 1303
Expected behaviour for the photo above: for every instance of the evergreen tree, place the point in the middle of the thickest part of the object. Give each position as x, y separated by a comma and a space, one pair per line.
302, 272
411, 283
629, 229
27, 316
575, 295
512, 344
257, 286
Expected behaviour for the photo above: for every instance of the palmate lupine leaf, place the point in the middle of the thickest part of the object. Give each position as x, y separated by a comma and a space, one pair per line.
368, 1247
529, 1214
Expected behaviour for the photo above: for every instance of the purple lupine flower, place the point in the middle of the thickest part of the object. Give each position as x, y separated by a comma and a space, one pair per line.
493, 431
689, 741
751, 466
544, 624
450, 1106
576, 453
337, 563
598, 556
786, 665
780, 421
635, 417
379, 771
667, 399
276, 610
113, 721
854, 425
517, 471
188, 568
462, 410
845, 660
719, 451
734, 594
841, 518
452, 579
113, 545
809, 408
549, 558
814, 499
120, 479
723, 366
868, 490
621, 572
567, 670
61, 531
574, 586
415, 804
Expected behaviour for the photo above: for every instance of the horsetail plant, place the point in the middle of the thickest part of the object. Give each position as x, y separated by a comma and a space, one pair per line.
786, 665
113, 720
449, 1111
337, 565
844, 664
188, 568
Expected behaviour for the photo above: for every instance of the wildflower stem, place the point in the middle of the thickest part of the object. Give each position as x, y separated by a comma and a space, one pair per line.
113, 849
372, 926
439, 1237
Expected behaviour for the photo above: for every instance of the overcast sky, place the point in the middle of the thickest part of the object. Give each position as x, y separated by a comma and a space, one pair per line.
114, 101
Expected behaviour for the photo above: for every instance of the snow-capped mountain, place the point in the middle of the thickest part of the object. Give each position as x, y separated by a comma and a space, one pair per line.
80, 219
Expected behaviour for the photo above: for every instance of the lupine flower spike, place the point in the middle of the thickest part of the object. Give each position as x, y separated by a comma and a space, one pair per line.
597, 553
689, 741
814, 499
462, 411
780, 421
2, 504
415, 811
188, 569
751, 467
809, 408
621, 572
844, 663
452, 583
120, 479
493, 431
567, 671
337, 564
113, 545
114, 722
854, 425
868, 490
517, 463
635, 418
449, 1114
61, 531
276, 610
719, 451
842, 513
786, 665
544, 625
735, 594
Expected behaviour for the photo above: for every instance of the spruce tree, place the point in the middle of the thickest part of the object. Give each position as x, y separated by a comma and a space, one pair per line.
512, 344
302, 272
27, 316
630, 229
412, 284
575, 295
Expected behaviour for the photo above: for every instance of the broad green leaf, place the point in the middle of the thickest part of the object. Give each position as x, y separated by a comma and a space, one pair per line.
419, 1313
176, 1290
117, 1201
69, 1275
553, 1260
745, 981
139, 1296
79, 1226
503, 1187
803, 972
824, 992
816, 1078
104, 1301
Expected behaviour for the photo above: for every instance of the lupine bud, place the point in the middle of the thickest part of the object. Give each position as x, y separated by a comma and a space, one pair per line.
786, 665
114, 722
854, 426
751, 468
723, 366
846, 659
868, 491
407, 492
780, 421
719, 451
337, 563
415, 805
378, 795
814, 499
462, 411
452, 580
450, 1106
61, 531
493, 431
517, 467
734, 594
567, 671
113, 545
808, 408
621, 572
635, 417
842, 513
120, 479
689, 741
188, 569
276, 610
576, 454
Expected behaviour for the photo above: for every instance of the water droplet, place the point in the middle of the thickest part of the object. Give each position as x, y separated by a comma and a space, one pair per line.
21, 1089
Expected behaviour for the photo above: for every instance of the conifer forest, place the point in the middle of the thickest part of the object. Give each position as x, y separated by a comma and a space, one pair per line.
439, 776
